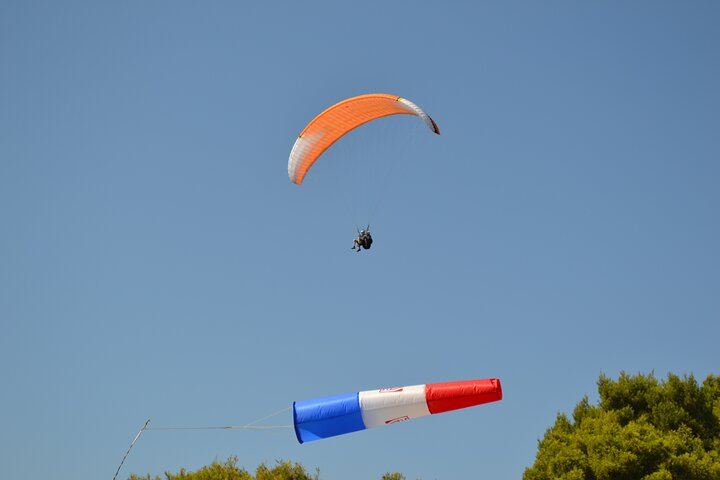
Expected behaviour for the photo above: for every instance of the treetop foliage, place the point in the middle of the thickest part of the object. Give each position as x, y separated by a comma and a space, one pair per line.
229, 470
641, 429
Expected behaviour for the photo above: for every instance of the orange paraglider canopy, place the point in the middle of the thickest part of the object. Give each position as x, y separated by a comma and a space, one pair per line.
336, 121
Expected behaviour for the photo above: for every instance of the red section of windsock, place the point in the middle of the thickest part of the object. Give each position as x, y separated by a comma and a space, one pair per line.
443, 397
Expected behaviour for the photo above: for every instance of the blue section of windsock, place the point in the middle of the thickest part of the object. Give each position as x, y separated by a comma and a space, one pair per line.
327, 416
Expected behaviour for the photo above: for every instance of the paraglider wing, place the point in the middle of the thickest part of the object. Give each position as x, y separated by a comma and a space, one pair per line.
330, 416
339, 119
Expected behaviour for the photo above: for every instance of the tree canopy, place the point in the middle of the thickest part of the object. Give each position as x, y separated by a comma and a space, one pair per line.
641, 429
229, 470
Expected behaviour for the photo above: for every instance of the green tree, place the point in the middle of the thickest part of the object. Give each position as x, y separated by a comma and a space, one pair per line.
393, 476
641, 429
228, 470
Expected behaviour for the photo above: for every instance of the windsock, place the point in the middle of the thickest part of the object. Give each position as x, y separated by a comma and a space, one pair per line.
336, 415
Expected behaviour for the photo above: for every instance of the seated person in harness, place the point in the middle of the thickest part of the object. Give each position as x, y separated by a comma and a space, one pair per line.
364, 240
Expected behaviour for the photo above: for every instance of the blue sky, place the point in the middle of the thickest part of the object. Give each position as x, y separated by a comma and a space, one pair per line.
155, 260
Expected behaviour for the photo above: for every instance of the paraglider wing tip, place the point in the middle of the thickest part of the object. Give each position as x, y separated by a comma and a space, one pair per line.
435, 127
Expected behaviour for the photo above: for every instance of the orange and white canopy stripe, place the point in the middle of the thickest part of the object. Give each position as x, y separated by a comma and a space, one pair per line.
336, 121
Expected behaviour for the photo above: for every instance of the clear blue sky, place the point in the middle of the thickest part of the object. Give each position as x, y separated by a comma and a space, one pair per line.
155, 260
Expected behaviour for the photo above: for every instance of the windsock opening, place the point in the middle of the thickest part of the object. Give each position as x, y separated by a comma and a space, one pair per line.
327, 417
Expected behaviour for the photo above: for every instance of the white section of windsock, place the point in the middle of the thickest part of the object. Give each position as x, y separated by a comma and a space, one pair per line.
391, 405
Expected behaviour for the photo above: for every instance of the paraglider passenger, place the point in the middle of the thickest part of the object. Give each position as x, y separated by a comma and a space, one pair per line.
364, 240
